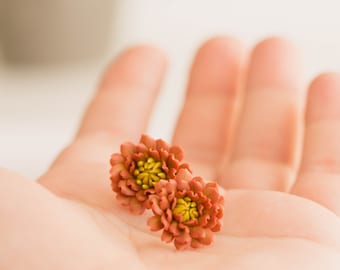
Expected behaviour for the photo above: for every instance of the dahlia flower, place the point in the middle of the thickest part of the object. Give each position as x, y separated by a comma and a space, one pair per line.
139, 167
187, 210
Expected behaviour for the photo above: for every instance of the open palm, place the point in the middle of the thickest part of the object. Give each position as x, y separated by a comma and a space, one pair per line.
240, 125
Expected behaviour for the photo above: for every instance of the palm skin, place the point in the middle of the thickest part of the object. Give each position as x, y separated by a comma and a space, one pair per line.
277, 216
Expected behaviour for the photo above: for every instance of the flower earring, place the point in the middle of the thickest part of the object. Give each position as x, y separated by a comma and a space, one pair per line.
152, 175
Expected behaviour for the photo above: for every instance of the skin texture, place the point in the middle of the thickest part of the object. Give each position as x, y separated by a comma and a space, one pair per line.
272, 146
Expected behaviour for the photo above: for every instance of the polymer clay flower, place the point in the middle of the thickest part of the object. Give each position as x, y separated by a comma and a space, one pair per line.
187, 209
138, 167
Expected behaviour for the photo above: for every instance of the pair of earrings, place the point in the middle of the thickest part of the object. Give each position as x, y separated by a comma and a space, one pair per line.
151, 175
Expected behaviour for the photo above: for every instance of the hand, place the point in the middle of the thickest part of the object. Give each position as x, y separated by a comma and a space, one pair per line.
245, 131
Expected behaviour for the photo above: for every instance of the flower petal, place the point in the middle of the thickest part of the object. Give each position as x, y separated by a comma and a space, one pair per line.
208, 239
197, 232
170, 188
172, 162
125, 189
148, 141
116, 169
183, 175
217, 227
116, 158
183, 228
155, 223
142, 150
125, 174
165, 222
167, 237
164, 203
162, 145
131, 183
140, 196
173, 228
154, 154
211, 191
203, 220
156, 209
192, 222
196, 244
197, 184
127, 149
164, 155
177, 152
185, 166
182, 241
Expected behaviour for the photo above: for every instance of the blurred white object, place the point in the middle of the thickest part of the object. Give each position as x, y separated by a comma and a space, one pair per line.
36, 123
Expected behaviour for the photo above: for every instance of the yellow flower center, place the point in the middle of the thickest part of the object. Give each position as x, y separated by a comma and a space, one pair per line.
187, 208
148, 173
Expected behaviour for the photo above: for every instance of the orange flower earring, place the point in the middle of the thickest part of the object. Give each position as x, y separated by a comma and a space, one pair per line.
152, 175
139, 167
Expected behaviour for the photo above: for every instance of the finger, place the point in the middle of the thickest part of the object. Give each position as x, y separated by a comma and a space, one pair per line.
123, 102
203, 128
121, 106
278, 215
118, 112
263, 154
319, 174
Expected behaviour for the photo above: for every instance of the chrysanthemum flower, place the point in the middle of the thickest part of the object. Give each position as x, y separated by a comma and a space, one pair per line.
138, 167
187, 209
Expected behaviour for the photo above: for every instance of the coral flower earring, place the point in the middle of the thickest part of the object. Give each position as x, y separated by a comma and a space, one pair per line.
187, 210
152, 175
137, 169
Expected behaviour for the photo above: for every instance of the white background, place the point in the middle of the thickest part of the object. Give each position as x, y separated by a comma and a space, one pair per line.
40, 107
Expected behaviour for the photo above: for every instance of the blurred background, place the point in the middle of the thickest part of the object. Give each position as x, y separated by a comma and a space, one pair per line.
53, 51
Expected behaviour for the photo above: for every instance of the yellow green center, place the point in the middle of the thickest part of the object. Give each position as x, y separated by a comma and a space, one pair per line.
187, 208
148, 172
